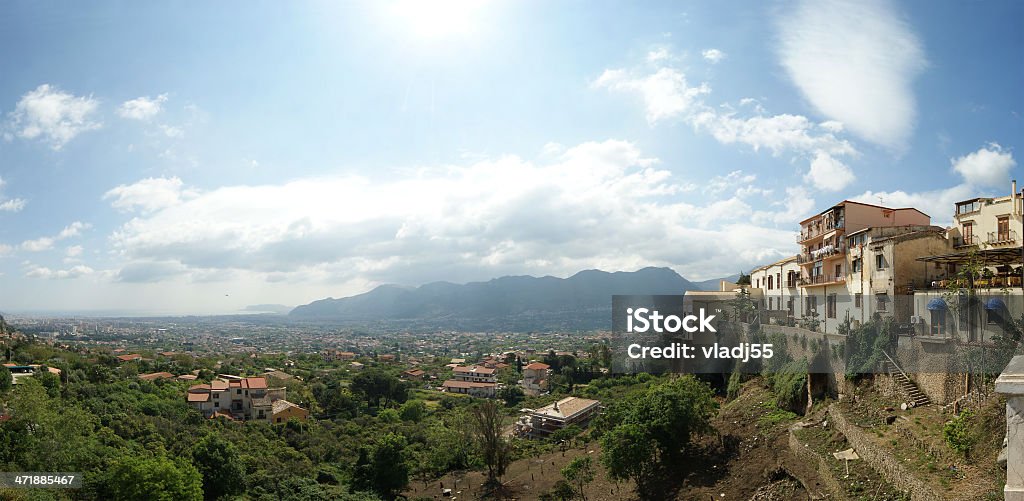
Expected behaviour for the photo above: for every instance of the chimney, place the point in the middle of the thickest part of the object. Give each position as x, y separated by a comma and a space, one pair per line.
1013, 197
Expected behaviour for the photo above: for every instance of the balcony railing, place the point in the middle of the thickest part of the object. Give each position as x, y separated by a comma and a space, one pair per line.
819, 229
965, 241
822, 253
1001, 237
823, 279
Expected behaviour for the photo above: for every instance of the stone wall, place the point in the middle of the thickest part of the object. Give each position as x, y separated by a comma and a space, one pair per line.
820, 465
890, 468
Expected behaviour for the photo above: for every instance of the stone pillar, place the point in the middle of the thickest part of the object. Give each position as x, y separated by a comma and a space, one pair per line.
1011, 384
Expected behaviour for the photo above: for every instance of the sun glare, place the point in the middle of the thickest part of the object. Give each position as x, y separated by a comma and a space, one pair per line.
438, 19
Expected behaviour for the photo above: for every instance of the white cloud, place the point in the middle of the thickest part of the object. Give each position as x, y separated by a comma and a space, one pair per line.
828, 174
989, 166
486, 218
47, 273
713, 55
148, 194
13, 205
52, 115
73, 251
142, 108
172, 132
667, 96
665, 93
46, 243
778, 133
6, 250
797, 205
855, 61
658, 55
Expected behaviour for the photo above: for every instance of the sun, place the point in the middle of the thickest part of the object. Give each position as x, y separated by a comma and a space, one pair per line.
438, 19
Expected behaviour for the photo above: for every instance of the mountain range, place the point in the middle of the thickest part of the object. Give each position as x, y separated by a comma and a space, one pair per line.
513, 303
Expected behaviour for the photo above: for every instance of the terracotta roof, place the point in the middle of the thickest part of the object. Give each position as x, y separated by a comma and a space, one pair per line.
537, 366
156, 375
254, 383
414, 372
218, 385
128, 358
198, 397
204, 388
454, 383
261, 402
188, 377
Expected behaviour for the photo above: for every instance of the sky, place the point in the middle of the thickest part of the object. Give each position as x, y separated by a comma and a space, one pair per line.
198, 158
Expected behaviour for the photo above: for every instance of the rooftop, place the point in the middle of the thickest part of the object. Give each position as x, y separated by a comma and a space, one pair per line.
567, 408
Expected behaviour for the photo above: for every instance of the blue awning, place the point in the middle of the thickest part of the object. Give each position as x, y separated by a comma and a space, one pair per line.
995, 304
936, 304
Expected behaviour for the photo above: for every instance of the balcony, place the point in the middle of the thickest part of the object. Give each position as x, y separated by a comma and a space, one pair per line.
823, 253
822, 280
1001, 237
967, 241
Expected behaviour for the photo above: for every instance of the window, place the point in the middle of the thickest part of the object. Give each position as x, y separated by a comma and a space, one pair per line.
238, 392
994, 317
965, 207
770, 303
881, 301
216, 395
839, 271
858, 263
778, 279
789, 306
812, 304
968, 233
858, 300
1003, 228
216, 404
880, 261
938, 322
770, 282
830, 306
278, 420
758, 284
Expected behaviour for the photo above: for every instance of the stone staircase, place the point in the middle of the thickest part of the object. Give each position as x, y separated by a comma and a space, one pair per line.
917, 398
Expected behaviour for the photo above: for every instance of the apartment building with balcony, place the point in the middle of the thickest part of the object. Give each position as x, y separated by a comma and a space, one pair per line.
989, 223
825, 263
472, 380
988, 235
243, 398
535, 378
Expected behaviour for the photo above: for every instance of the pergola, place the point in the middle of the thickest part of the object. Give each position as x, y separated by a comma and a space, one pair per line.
987, 257
1002, 259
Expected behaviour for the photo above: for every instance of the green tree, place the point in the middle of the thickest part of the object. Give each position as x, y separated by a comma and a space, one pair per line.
157, 478
413, 410
629, 453
220, 465
5, 379
494, 447
579, 472
378, 388
382, 468
511, 394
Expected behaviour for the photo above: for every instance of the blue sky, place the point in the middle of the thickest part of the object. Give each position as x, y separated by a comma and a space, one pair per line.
158, 158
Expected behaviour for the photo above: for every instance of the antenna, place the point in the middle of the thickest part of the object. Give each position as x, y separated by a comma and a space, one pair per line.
880, 200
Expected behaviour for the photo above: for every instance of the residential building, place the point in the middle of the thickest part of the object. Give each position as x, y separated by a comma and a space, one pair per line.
780, 293
472, 380
990, 223
245, 398
414, 374
825, 263
156, 375
694, 301
535, 378
988, 235
283, 410
134, 357
542, 422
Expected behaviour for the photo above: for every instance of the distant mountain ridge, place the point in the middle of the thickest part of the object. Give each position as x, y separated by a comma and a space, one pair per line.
582, 301
712, 285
